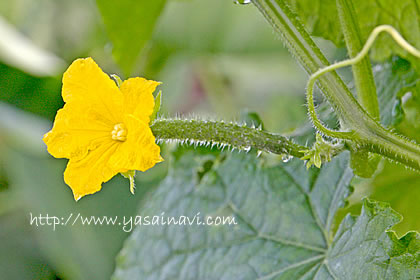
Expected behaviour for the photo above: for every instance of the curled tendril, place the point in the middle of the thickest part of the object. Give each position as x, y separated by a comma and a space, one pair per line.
311, 83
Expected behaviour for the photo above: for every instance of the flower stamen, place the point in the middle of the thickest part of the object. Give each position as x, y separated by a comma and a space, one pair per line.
119, 133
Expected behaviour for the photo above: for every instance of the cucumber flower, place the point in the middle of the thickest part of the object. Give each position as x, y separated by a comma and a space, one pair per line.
102, 129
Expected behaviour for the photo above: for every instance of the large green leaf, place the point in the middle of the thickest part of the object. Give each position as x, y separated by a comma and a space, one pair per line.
394, 78
284, 217
320, 17
400, 187
130, 25
33, 94
364, 249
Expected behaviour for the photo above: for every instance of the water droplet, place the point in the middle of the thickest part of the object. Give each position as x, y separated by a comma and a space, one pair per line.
242, 2
286, 158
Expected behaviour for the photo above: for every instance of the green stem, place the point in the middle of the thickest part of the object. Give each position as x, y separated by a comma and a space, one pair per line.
223, 134
368, 132
361, 125
392, 146
365, 131
362, 71
301, 45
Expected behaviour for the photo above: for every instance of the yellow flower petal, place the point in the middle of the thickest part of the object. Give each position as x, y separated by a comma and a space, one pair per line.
86, 176
85, 83
102, 130
139, 151
76, 130
138, 97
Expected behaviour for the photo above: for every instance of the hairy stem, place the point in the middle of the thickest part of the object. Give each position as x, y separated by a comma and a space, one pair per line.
223, 134
367, 131
362, 71
369, 123
364, 130
301, 45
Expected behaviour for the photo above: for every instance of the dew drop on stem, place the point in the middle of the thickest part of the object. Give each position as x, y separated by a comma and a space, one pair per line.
242, 2
286, 158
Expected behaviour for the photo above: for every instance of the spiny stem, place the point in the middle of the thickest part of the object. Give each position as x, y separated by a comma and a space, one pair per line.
201, 132
368, 132
309, 55
362, 72
311, 83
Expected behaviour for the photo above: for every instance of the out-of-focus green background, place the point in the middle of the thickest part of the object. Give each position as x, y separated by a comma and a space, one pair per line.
215, 59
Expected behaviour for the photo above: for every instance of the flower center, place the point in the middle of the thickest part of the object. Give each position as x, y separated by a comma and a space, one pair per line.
119, 133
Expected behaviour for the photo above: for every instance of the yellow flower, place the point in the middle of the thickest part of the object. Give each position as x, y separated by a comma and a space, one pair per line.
103, 130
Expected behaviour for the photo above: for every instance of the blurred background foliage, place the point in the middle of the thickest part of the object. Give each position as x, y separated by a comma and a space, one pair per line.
215, 59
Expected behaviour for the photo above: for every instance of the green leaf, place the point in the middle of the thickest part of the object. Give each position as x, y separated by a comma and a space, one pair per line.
364, 248
363, 163
400, 187
320, 17
410, 127
129, 25
252, 119
313, 13
33, 94
394, 78
284, 220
